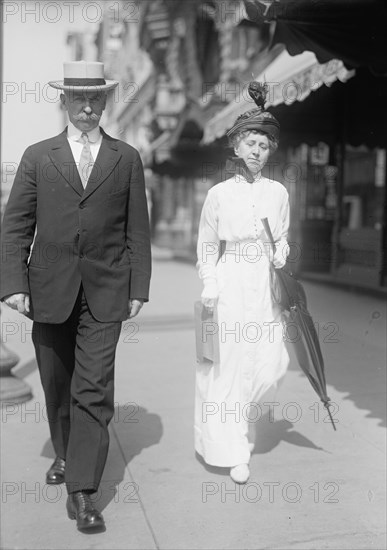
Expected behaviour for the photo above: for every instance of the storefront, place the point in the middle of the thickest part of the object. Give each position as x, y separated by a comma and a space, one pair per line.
332, 161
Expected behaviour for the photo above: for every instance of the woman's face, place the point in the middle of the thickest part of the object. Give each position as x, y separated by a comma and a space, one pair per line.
254, 150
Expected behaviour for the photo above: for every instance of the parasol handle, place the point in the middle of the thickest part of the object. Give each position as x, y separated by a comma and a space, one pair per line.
326, 405
265, 223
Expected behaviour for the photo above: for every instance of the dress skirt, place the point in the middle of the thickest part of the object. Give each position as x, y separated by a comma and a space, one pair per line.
253, 356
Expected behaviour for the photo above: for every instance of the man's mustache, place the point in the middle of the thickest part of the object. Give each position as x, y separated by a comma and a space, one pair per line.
85, 117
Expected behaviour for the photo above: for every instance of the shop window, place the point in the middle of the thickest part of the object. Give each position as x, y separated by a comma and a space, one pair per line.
364, 187
321, 182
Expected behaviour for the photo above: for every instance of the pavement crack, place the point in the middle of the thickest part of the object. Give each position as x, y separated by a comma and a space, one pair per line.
142, 506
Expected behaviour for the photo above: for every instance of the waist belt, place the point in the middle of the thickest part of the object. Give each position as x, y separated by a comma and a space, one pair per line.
247, 248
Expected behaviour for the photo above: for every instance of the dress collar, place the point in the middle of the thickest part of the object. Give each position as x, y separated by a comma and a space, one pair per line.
241, 179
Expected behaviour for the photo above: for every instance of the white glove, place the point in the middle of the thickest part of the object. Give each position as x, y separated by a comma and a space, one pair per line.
210, 292
281, 253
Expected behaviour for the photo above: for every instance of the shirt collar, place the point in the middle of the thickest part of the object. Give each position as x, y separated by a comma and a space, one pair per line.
74, 134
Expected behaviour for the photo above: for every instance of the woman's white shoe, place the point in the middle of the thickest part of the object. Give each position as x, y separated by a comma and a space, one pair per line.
240, 473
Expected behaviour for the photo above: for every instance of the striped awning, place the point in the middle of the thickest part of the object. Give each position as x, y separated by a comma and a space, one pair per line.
289, 78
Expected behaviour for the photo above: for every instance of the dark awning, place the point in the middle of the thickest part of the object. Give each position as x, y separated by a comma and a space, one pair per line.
290, 79
351, 30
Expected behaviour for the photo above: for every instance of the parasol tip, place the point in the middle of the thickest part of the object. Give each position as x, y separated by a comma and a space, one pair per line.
327, 405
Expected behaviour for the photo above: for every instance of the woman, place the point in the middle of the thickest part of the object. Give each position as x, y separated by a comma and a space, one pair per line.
252, 353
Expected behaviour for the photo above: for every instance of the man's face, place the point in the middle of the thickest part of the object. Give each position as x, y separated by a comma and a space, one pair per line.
84, 108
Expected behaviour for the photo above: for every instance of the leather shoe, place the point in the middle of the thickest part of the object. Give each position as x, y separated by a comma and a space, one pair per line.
80, 507
56, 473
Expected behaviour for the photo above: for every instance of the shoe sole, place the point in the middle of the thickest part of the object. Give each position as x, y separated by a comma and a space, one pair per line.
97, 525
50, 482
240, 482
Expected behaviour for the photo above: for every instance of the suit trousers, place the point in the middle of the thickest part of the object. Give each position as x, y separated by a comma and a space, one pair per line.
76, 365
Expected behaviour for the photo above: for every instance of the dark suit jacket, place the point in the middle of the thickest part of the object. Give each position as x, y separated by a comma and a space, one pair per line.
98, 236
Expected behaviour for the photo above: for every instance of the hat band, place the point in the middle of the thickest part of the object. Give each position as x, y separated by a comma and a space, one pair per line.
254, 125
84, 82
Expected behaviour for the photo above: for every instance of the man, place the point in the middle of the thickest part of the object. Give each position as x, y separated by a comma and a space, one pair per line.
76, 259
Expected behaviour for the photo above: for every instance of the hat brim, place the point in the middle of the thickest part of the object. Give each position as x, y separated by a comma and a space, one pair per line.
110, 84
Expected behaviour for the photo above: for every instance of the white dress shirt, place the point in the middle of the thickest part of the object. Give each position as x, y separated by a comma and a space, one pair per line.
73, 137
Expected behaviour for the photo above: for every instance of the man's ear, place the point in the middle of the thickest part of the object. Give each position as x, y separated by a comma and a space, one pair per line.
63, 101
104, 101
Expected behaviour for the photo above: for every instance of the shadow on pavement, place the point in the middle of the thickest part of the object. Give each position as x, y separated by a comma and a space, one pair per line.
212, 469
131, 430
134, 429
269, 434
355, 367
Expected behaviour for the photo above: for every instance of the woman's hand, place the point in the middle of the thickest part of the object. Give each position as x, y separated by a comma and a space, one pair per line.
281, 253
210, 294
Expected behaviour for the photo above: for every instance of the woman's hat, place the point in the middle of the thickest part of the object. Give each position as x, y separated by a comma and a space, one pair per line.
83, 76
256, 119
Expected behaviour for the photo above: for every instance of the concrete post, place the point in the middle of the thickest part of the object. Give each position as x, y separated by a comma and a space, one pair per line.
12, 388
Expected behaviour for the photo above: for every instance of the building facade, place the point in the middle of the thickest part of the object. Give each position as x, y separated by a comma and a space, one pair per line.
190, 63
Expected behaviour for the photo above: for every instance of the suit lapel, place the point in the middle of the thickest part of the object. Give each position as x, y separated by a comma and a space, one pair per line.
62, 157
107, 158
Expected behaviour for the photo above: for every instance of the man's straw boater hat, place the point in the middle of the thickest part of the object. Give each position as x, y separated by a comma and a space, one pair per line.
83, 76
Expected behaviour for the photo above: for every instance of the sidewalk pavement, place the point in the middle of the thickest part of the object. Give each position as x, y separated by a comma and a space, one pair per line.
310, 487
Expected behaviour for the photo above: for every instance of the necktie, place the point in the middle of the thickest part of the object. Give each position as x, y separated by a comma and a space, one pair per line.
86, 161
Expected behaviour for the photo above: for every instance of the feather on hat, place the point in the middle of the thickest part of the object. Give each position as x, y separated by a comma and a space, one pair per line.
256, 119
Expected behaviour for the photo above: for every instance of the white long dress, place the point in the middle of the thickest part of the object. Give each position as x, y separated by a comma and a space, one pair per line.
253, 356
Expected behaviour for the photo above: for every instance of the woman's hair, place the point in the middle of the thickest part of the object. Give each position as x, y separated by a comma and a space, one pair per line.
237, 138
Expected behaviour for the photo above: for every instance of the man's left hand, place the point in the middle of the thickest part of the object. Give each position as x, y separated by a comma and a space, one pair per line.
134, 307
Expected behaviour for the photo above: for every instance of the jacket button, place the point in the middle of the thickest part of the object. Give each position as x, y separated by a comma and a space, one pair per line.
81, 256
82, 205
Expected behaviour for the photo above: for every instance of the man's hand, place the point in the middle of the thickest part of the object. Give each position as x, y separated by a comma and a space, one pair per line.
21, 302
134, 307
